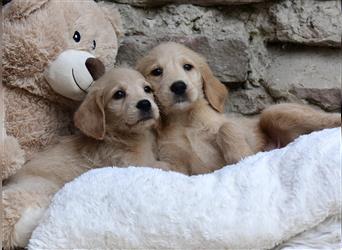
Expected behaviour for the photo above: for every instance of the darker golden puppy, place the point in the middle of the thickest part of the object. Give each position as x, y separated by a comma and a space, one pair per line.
194, 135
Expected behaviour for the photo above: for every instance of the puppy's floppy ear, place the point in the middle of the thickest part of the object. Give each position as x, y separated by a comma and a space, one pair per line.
90, 116
215, 92
143, 63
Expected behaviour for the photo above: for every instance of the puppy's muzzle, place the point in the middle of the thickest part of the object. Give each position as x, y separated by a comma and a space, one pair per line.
144, 106
178, 88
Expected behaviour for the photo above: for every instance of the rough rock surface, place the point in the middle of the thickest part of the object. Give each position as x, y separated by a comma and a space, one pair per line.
265, 51
306, 73
314, 22
192, 26
248, 100
153, 3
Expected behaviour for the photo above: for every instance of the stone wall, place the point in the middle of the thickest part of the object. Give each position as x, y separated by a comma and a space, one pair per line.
264, 51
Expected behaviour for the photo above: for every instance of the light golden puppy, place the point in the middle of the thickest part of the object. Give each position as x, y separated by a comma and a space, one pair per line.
117, 115
194, 135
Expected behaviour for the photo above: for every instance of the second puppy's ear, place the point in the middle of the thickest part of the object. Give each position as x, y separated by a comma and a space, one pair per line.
90, 116
215, 91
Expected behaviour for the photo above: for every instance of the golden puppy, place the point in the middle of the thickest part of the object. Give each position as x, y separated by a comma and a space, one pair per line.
194, 134
117, 116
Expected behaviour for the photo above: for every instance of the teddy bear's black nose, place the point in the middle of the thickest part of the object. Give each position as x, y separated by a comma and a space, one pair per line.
95, 67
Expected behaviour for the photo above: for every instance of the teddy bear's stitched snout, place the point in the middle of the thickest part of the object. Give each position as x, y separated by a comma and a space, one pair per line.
73, 72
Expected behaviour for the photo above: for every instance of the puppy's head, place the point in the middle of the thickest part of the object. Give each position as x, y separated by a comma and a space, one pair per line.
120, 100
181, 77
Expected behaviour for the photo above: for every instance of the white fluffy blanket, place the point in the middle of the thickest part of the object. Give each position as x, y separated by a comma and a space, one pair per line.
257, 203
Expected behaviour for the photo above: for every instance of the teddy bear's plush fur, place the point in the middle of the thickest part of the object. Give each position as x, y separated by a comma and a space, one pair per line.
12, 158
35, 33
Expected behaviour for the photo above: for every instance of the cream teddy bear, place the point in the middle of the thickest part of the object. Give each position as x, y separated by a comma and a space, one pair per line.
52, 52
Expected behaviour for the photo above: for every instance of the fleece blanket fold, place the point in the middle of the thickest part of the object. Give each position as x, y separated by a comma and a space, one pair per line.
257, 203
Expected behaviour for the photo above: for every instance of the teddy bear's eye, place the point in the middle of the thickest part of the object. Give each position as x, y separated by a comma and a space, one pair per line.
77, 36
94, 44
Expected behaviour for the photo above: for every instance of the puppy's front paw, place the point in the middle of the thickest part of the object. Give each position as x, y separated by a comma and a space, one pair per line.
336, 120
232, 143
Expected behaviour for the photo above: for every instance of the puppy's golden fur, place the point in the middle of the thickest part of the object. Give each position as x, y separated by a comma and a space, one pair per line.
194, 135
118, 133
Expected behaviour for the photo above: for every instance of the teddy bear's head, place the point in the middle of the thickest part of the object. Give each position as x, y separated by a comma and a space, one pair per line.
58, 46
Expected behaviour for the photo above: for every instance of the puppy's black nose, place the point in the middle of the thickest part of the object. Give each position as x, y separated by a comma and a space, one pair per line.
144, 105
178, 87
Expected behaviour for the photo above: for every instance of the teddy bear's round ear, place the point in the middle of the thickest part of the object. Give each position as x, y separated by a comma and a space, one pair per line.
113, 15
17, 9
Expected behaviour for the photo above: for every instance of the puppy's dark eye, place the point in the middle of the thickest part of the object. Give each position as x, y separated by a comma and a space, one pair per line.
157, 72
94, 44
77, 36
119, 94
187, 67
148, 89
